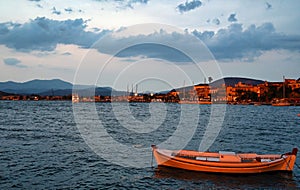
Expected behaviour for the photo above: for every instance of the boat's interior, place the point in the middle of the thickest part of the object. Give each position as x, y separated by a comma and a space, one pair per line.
224, 156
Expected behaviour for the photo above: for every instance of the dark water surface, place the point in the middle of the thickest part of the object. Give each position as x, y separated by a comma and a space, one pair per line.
41, 147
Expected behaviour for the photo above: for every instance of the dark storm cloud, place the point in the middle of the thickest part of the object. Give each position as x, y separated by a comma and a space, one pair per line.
238, 43
44, 34
187, 6
232, 18
13, 62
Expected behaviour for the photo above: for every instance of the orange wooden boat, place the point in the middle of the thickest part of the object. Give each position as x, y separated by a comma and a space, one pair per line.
225, 162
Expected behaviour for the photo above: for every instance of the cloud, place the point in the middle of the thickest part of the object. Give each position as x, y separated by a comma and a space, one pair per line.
231, 43
13, 62
131, 3
188, 6
123, 4
216, 21
154, 50
44, 34
232, 18
54, 11
4, 27
66, 53
235, 42
157, 45
268, 6
69, 10
39, 6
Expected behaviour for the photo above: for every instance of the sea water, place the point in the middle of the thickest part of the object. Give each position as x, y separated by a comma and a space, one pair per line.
41, 146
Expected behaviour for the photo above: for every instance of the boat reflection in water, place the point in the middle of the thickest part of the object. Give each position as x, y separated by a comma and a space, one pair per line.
279, 180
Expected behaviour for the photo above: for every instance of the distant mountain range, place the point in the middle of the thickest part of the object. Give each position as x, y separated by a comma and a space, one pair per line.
57, 87
34, 86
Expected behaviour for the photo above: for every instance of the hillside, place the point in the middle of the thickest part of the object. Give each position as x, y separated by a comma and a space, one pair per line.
4, 94
231, 81
34, 87
53, 87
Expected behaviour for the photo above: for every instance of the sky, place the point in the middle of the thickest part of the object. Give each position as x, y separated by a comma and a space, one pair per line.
151, 44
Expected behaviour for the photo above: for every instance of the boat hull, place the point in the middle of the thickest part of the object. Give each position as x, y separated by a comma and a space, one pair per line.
164, 158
